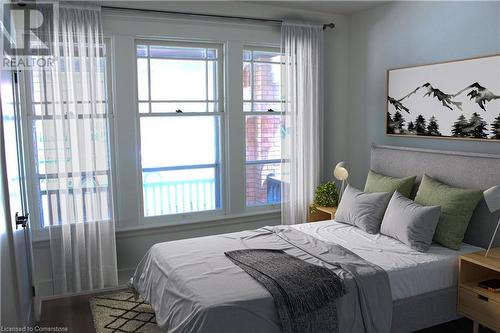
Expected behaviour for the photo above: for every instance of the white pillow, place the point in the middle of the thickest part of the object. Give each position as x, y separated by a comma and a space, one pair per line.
363, 210
410, 223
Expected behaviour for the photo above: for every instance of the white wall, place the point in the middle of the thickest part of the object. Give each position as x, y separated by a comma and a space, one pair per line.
403, 34
133, 236
336, 59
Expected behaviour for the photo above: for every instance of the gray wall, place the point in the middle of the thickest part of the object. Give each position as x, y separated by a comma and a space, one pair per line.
396, 35
358, 53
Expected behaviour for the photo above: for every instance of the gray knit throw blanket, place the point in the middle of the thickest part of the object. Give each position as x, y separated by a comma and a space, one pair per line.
304, 294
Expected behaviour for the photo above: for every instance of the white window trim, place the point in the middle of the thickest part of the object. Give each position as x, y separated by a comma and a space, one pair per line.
189, 217
125, 29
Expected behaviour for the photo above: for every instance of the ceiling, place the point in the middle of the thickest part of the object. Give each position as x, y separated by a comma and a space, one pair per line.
326, 6
334, 7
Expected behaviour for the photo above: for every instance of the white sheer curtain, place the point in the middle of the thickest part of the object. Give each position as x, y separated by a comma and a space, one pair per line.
302, 46
74, 158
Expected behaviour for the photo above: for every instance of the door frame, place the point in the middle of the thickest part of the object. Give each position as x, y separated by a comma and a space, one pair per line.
26, 161
8, 224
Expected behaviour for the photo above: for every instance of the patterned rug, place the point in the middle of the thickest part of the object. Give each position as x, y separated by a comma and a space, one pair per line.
121, 312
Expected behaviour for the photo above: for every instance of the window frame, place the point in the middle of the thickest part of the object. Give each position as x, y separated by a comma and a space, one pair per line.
35, 206
232, 207
220, 175
280, 113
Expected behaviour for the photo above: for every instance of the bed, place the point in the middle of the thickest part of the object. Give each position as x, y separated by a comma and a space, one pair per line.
190, 283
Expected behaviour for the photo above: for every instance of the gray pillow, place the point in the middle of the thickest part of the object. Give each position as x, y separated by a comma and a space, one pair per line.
363, 210
410, 223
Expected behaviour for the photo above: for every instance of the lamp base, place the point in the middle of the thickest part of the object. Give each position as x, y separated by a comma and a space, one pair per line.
342, 188
492, 239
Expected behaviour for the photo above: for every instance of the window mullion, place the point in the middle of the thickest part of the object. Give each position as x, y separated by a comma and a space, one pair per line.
206, 85
235, 129
252, 90
149, 81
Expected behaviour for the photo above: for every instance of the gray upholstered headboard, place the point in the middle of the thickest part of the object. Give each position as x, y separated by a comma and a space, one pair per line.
466, 170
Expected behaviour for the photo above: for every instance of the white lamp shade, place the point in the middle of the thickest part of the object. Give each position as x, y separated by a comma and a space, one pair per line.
340, 172
492, 198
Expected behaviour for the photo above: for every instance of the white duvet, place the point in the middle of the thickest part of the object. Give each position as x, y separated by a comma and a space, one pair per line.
410, 272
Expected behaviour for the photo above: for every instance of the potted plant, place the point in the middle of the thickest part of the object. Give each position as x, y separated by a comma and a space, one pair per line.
326, 195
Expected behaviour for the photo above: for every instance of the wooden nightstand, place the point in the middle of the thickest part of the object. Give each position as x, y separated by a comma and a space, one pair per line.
321, 214
476, 303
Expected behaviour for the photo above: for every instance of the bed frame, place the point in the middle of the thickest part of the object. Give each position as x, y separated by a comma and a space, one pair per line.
467, 170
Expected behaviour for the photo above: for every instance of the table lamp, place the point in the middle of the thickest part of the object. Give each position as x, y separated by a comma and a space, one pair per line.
340, 173
492, 198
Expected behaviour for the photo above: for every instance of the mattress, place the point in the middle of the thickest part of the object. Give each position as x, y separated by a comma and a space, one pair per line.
194, 287
410, 272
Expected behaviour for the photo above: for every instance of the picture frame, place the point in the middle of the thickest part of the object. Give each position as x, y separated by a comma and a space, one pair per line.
455, 100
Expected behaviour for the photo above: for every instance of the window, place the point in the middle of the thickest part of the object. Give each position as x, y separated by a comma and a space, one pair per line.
262, 105
85, 183
180, 111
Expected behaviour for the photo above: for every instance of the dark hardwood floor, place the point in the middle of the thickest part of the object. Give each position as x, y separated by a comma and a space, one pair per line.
74, 313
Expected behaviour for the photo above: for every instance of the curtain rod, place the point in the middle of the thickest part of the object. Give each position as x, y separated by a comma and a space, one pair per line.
326, 25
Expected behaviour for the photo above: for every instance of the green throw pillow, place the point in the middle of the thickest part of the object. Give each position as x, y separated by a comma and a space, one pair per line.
457, 206
377, 182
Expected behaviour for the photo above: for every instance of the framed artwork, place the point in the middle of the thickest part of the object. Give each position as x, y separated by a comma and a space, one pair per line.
452, 100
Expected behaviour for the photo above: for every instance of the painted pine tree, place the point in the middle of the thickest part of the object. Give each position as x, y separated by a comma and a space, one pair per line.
495, 128
411, 127
433, 127
399, 122
459, 127
420, 125
477, 127
390, 124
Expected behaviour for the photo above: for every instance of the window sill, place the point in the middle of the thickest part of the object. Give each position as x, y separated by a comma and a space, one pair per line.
206, 222
41, 235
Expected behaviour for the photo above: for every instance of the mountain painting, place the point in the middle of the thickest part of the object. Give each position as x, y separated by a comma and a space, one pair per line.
459, 99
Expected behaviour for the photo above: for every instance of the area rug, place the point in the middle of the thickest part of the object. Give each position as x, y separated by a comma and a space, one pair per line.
121, 312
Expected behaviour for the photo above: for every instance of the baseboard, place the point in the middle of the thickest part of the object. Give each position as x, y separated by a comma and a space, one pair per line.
81, 293
44, 289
